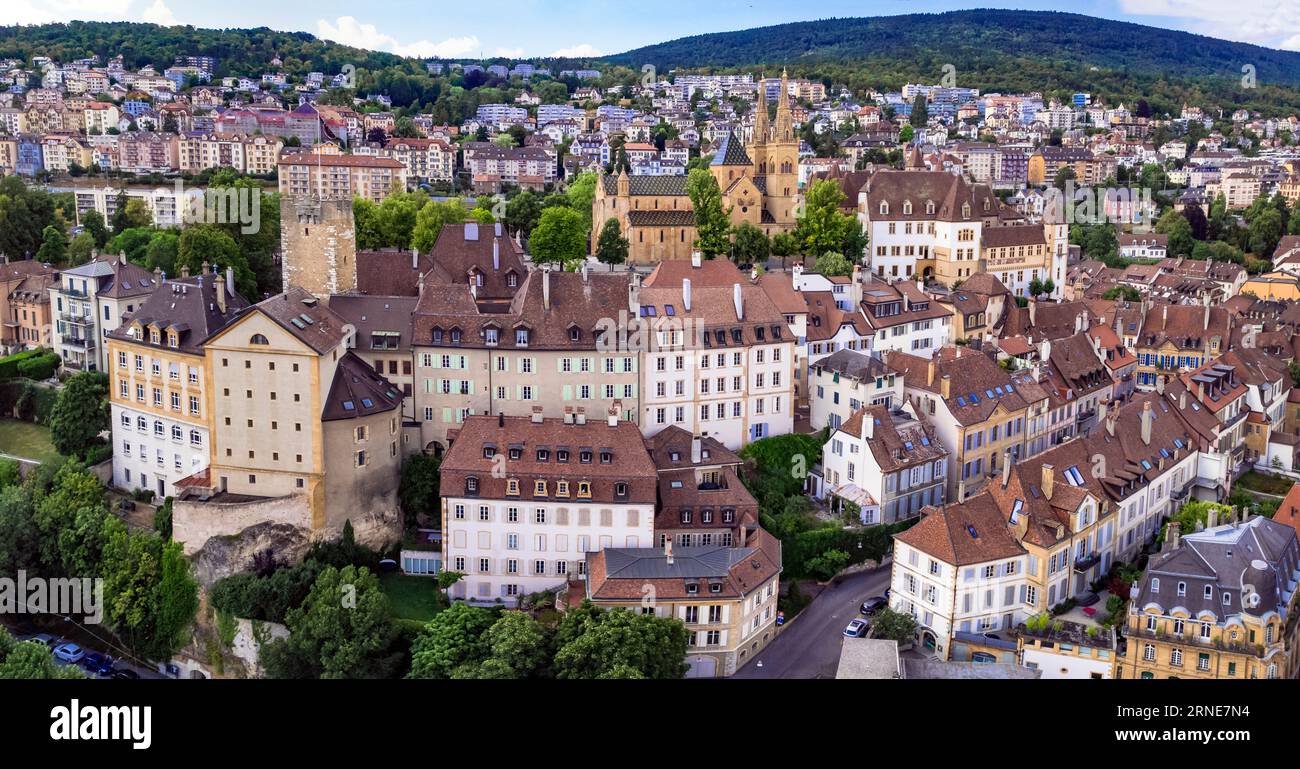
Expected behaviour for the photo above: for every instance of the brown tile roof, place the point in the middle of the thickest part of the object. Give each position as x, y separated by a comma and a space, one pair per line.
306, 317
970, 373
969, 532
896, 442
371, 314
357, 391
187, 305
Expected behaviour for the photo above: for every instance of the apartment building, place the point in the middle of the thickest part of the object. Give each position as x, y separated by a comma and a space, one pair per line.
158, 375
25, 319
725, 595
885, 461
527, 500
718, 360
702, 502
542, 348
257, 154
340, 176
89, 301
304, 431
1021, 254
903, 318
978, 411
491, 165
146, 152
1215, 604
1177, 337
845, 381
424, 159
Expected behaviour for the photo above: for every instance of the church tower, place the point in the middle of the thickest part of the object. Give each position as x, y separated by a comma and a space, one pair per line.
776, 160
762, 126
784, 117
319, 245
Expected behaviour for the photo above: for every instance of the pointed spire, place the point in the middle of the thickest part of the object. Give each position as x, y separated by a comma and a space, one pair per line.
784, 118
762, 126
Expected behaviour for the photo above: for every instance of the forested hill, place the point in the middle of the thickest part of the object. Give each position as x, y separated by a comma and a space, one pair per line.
238, 51
1002, 50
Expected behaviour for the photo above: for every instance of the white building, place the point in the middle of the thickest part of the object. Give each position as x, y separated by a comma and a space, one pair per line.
91, 300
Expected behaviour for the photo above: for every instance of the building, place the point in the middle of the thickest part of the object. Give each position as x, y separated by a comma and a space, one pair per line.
527, 500
1217, 604
717, 358
759, 184
92, 299
340, 177
845, 381
25, 319
887, 462
158, 379
702, 501
725, 595
304, 432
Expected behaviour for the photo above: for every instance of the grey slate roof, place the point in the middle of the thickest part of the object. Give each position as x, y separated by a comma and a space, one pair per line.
688, 562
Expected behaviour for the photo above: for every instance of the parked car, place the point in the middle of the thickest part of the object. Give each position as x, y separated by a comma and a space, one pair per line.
125, 674
857, 628
873, 605
69, 652
45, 638
1089, 599
99, 664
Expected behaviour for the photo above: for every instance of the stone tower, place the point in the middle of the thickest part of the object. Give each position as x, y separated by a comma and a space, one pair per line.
318, 243
775, 155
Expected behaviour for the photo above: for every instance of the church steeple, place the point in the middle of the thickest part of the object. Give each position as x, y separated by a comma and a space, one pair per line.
784, 118
762, 126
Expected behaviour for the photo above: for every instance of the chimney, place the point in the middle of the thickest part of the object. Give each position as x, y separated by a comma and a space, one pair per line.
415, 259
611, 416
1033, 305
537, 415
185, 270
1006, 467
1172, 535
586, 269
868, 430
797, 273
1212, 518
695, 259
1148, 417
473, 290
501, 419
1164, 316
496, 254
546, 287
634, 295
1205, 321
230, 281
568, 415
1160, 384
668, 550
753, 273
580, 415
157, 276
737, 300
929, 373
121, 257
697, 449
686, 294
1048, 480
1182, 400
220, 289
945, 386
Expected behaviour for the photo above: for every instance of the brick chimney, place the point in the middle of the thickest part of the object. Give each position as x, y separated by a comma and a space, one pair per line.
1048, 480
1148, 416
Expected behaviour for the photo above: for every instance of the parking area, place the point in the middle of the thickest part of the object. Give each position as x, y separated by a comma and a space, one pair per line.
89, 657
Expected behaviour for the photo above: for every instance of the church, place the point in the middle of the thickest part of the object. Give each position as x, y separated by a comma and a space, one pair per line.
759, 183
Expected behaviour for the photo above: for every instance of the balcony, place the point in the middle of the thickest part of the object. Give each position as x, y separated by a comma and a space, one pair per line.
1087, 562
85, 343
77, 319
1193, 641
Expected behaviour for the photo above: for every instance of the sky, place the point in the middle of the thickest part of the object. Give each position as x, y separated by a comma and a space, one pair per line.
527, 28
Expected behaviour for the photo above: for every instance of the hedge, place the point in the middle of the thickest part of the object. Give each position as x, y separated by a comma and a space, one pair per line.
9, 365
862, 544
33, 401
40, 367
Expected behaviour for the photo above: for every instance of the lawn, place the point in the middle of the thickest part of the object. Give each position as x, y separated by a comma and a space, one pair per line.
413, 598
27, 440
1266, 484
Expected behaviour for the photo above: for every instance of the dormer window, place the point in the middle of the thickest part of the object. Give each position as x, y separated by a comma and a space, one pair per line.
562, 455
512, 280
437, 335
620, 489
455, 336
606, 456
471, 485
515, 452
884, 208
575, 334
965, 210
907, 208
489, 452
929, 207
584, 489
153, 335
584, 456
172, 339
539, 488
521, 337
543, 455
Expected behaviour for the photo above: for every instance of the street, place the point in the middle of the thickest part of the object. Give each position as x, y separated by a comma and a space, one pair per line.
810, 645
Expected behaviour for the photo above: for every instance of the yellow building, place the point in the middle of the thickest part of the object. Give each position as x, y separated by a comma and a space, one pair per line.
1273, 286
1215, 604
162, 427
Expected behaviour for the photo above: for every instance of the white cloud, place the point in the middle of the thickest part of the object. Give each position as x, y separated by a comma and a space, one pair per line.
583, 51
349, 31
45, 11
159, 13
510, 53
1263, 22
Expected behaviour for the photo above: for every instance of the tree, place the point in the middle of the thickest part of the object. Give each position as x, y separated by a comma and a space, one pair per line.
712, 222
893, 625
1126, 293
456, 637
343, 629
1063, 174
828, 564
1035, 288
211, 244
833, 265
161, 253
30, 660
581, 193
1265, 232
1179, 229
1196, 218
523, 212
611, 247
559, 237
81, 249
752, 246
620, 641
920, 112
431, 219
19, 537
80, 413
783, 245
130, 213
518, 647
93, 222
906, 134
54, 245
822, 227
418, 489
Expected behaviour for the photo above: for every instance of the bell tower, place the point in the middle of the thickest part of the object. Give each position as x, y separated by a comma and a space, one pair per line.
319, 245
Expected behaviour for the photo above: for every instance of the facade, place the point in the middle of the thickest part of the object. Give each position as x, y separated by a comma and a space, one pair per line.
1217, 604
334, 176
527, 500
158, 374
91, 300
887, 462
845, 381
726, 596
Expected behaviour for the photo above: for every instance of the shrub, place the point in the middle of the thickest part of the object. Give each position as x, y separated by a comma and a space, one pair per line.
39, 367
99, 453
9, 365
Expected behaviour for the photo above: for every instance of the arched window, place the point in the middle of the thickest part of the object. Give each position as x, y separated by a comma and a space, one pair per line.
258, 339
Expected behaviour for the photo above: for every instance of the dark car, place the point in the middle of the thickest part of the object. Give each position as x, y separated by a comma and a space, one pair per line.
125, 674
1089, 599
873, 605
99, 664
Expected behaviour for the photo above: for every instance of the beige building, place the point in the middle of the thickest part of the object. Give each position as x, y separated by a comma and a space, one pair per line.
335, 176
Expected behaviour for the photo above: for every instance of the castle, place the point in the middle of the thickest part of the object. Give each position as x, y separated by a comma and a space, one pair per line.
759, 183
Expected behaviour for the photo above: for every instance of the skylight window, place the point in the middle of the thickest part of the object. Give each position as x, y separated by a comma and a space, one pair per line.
367, 403
961, 401
1146, 465
349, 405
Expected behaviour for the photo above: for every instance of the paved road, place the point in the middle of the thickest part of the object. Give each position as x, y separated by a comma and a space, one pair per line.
810, 646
